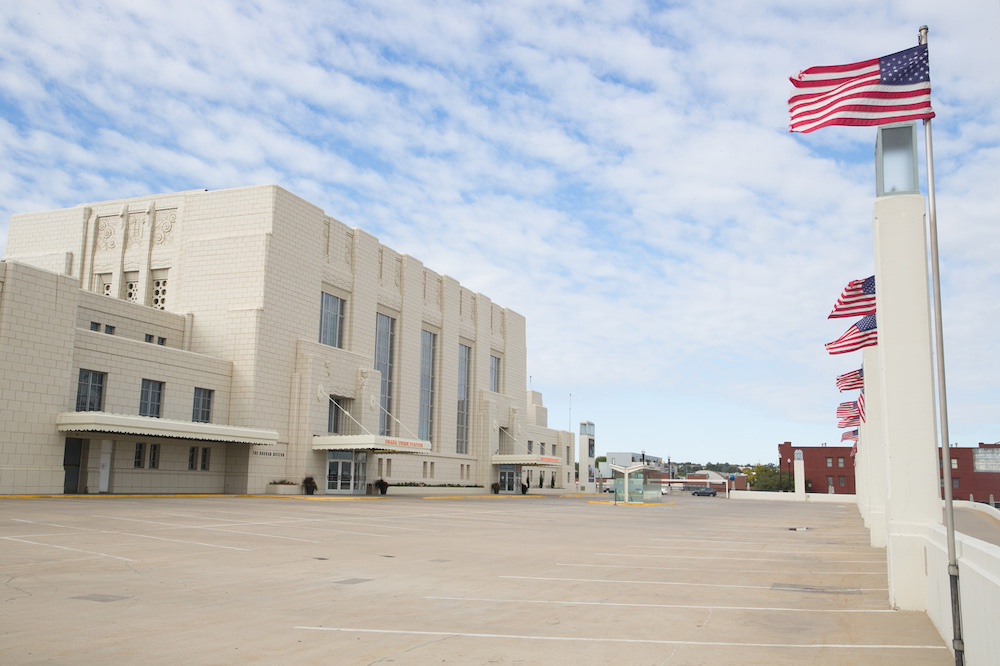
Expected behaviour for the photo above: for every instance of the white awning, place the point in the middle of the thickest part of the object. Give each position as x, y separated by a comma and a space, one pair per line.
369, 443
525, 459
147, 426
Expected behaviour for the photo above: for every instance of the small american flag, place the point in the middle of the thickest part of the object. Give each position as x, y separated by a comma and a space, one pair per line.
846, 409
891, 89
861, 406
857, 300
863, 333
849, 435
849, 422
851, 380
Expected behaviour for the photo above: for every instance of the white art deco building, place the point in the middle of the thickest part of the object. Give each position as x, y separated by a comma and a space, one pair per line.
220, 341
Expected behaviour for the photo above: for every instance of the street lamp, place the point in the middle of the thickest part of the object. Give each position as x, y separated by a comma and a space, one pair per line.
896, 160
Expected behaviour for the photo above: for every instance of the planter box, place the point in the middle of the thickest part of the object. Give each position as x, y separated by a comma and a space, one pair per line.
433, 491
283, 489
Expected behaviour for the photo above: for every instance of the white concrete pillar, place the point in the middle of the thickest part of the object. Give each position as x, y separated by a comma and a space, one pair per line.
872, 443
904, 351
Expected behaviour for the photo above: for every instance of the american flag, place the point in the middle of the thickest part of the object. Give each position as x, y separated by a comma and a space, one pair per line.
849, 422
863, 333
891, 89
857, 300
849, 435
854, 451
851, 380
861, 406
846, 409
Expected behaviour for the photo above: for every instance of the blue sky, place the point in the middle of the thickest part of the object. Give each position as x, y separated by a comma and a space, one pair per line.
618, 172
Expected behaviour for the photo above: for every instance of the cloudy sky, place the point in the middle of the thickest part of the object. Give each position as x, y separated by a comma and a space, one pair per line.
619, 172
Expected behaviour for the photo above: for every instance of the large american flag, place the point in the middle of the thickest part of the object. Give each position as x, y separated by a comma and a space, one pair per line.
891, 89
851, 380
857, 300
849, 435
849, 422
863, 333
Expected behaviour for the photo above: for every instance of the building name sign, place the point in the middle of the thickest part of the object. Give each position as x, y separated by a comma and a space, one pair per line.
269, 454
986, 460
549, 460
407, 443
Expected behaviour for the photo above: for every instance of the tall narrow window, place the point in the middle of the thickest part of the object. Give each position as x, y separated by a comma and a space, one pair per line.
140, 455
90, 391
337, 419
201, 412
385, 332
464, 376
154, 456
495, 374
193, 457
331, 321
150, 398
159, 299
205, 455
428, 345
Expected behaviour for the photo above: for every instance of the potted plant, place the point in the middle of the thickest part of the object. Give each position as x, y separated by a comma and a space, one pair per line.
309, 484
496, 488
382, 485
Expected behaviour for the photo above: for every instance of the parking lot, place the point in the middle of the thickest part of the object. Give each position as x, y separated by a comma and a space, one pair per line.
477, 580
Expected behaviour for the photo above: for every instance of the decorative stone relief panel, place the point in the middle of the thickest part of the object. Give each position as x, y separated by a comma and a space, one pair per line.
136, 229
107, 228
163, 232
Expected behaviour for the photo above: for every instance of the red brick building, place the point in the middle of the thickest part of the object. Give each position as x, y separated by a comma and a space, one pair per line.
825, 467
975, 472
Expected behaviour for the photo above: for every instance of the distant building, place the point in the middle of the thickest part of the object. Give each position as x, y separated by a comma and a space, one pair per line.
975, 472
718, 480
828, 469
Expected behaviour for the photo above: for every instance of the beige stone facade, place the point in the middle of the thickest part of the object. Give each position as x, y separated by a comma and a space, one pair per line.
220, 341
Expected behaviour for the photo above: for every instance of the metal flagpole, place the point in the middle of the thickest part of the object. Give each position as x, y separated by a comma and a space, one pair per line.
949, 507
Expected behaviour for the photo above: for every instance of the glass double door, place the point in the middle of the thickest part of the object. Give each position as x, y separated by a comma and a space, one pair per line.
345, 472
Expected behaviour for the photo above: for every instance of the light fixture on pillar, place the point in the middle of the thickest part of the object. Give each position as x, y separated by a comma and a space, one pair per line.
896, 160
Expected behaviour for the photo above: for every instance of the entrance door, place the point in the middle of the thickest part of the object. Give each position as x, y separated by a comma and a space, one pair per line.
72, 455
339, 476
345, 472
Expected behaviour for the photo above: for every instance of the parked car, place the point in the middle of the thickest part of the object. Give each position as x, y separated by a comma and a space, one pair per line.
704, 492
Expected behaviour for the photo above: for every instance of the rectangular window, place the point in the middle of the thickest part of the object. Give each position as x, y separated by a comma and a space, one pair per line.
829, 482
954, 483
531, 445
201, 412
464, 377
140, 455
193, 457
385, 336
331, 320
388, 466
205, 455
149, 337
829, 462
95, 326
842, 481
432, 469
109, 329
495, 374
428, 348
954, 463
425, 470
90, 391
154, 456
161, 341
840, 462
541, 448
566, 459
338, 419
150, 398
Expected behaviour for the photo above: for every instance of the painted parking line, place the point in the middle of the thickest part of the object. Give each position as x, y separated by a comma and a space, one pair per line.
643, 641
192, 543
75, 550
716, 570
853, 590
777, 609
733, 559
